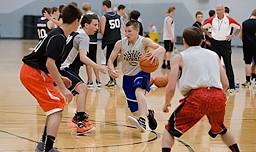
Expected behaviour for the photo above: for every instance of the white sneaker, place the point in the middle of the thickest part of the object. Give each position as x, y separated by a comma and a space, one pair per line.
139, 124
232, 92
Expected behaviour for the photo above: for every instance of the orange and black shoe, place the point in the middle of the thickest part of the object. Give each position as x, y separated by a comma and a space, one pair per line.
85, 119
83, 129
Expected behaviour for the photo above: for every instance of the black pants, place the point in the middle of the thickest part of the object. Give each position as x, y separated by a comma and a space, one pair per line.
110, 47
93, 52
223, 49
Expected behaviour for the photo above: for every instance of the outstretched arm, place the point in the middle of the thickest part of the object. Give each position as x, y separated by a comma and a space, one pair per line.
57, 22
88, 61
112, 72
172, 79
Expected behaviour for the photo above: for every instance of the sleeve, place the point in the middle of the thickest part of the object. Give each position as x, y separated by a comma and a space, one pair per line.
207, 23
83, 42
169, 21
55, 47
233, 23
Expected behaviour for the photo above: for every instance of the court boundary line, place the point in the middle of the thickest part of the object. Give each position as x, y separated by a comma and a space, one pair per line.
190, 149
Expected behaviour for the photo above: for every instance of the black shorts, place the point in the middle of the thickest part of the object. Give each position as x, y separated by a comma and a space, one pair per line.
249, 53
74, 77
168, 45
92, 52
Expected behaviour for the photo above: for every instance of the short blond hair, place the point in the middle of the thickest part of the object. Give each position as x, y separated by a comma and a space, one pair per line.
86, 7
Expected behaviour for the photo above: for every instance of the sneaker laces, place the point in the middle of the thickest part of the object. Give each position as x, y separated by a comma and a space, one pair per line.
141, 121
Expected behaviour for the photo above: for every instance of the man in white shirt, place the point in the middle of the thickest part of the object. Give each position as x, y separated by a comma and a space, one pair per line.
221, 25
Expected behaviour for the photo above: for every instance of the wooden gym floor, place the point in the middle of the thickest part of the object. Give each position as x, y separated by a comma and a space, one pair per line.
22, 120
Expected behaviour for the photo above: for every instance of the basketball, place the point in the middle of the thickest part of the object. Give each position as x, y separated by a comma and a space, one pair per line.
161, 81
146, 65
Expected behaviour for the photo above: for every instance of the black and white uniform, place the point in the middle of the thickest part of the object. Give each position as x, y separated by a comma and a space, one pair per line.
112, 33
42, 28
52, 46
92, 54
76, 42
249, 40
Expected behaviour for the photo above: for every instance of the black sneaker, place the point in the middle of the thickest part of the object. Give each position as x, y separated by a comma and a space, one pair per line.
89, 84
114, 81
168, 66
246, 84
151, 120
111, 83
39, 147
98, 83
163, 66
85, 119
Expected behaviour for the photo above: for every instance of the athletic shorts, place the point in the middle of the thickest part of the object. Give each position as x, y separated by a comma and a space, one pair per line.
249, 53
131, 83
168, 45
198, 103
73, 77
40, 85
93, 52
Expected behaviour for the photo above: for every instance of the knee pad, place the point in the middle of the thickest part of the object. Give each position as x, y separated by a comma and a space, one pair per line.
213, 135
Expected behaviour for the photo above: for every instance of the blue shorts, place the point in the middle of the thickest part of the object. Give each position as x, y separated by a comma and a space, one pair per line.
131, 83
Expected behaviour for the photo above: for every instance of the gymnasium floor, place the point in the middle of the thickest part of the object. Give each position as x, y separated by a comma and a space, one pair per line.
22, 120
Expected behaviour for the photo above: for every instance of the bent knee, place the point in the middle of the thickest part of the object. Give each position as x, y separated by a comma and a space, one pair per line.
81, 88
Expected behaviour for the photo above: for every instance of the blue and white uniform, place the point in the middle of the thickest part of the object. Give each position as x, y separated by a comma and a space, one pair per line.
133, 77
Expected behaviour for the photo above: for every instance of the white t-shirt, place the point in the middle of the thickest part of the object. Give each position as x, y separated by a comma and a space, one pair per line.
80, 43
168, 28
131, 56
221, 28
201, 68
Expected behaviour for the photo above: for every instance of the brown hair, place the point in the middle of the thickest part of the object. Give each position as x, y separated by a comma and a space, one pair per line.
54, 9
87, 7
70, 14
88, 19
46, 9
254, 12
193, 36
133, 23
107, 3
199, 13
171, 9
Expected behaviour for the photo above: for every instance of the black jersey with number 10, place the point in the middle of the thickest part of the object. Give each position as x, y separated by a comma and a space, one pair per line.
42, 28
51, 46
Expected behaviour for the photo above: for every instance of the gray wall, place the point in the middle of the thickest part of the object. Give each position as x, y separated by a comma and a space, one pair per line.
153, 11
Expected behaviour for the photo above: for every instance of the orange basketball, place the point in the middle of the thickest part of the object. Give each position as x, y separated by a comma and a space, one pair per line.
146, 65
161, 81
